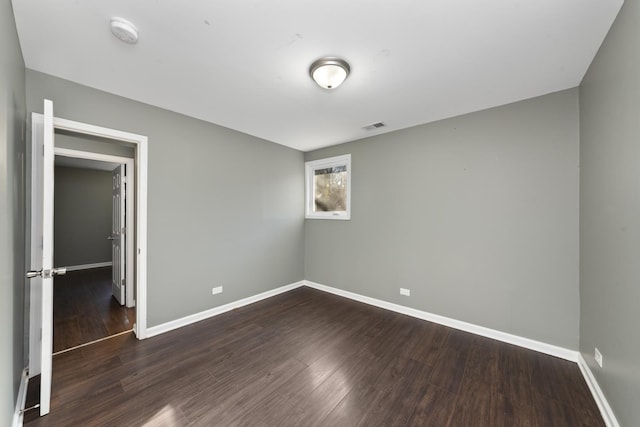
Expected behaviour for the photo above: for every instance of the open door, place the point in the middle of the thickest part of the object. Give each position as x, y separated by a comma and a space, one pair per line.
43, 272
41, 265
118, 235
35, 261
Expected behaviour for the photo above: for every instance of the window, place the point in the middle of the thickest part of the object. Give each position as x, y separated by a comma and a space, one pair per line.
328, 188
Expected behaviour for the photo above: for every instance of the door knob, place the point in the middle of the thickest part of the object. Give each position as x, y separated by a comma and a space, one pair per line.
45, 274
34, 273
60, 271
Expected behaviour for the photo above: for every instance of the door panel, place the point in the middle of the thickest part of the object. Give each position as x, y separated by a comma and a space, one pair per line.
35, 263
42, 270
47, 259
118, 235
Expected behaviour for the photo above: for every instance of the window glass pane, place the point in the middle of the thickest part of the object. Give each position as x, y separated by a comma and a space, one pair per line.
330, 189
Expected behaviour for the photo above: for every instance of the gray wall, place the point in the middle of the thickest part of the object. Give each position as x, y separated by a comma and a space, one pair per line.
12, 250
477, 215
82, 216
610, 214
225, 208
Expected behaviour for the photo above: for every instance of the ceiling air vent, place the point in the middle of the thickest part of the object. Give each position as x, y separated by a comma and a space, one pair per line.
373, 126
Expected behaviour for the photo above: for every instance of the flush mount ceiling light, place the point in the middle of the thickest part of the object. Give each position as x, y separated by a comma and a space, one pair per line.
124, 30
329, 72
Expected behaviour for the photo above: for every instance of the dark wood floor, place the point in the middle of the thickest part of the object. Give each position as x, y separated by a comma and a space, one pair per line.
306, 358
84, 309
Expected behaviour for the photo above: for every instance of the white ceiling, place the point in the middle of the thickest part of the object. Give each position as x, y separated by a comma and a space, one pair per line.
244, 64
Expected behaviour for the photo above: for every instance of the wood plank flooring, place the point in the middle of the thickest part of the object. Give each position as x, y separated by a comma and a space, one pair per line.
84, 309
307, 358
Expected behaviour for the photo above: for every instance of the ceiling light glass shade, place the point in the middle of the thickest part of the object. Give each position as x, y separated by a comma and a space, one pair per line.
329, 73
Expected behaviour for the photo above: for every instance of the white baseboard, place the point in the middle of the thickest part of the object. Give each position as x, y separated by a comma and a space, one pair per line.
573, 356
605, 409
541, 347
18, 416
88, 266
193, 318
552, 350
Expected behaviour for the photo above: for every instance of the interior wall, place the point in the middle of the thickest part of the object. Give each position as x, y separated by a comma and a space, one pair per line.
610, 214
82, 216
225, 208
12, 213
477, 215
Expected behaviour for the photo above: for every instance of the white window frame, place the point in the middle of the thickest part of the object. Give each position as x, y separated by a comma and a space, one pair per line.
309, 172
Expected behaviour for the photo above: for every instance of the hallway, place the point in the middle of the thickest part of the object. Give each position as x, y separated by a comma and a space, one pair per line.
84, 309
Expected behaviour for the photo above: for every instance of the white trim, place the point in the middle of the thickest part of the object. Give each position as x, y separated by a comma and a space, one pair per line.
552, 350
141, 161
140, 328
89, 155
18, 415
87, 129
89, 266
193, 318
130, 226
605, 409
309, 168
541, 347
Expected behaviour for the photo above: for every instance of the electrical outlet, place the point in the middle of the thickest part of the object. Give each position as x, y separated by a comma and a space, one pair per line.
217, 290
406, 292
598, 357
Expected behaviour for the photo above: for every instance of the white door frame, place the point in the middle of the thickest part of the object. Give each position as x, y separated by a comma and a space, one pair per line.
129, 196
140, 189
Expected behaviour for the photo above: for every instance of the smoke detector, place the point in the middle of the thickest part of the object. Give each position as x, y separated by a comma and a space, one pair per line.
124, 30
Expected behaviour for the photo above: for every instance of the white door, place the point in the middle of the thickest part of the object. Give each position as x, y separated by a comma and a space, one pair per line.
35, 262
118, 234
44, 271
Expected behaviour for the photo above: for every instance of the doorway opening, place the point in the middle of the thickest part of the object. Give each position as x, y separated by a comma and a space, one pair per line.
93, 229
